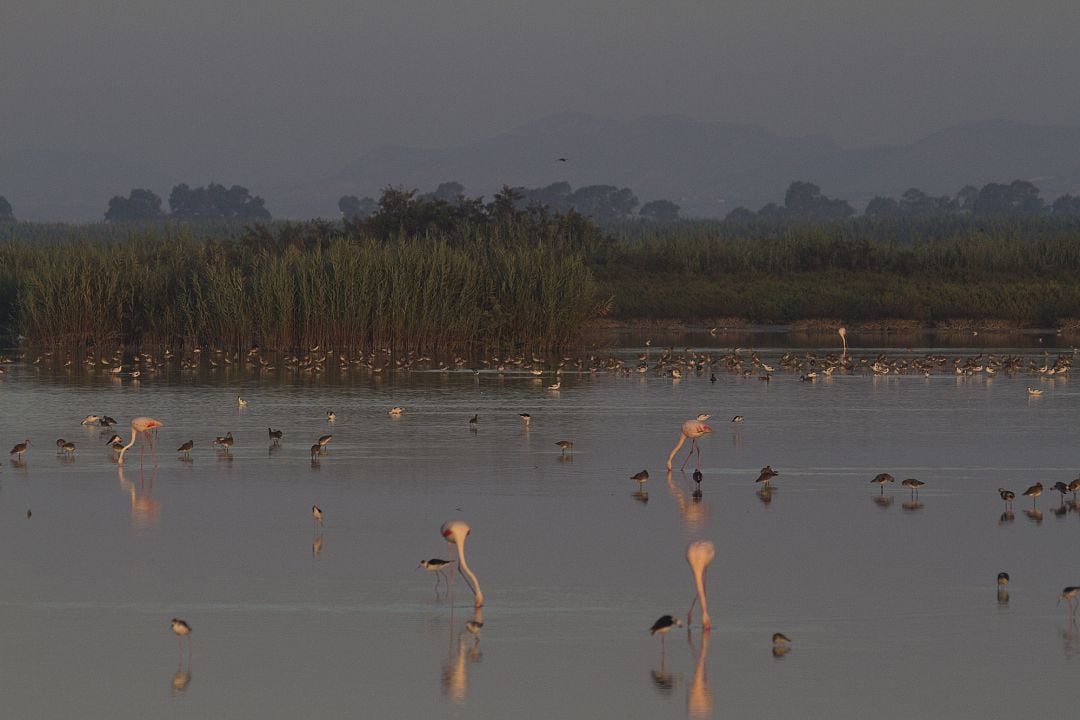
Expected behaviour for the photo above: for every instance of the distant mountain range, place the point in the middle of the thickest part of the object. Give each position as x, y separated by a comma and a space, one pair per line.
708, 168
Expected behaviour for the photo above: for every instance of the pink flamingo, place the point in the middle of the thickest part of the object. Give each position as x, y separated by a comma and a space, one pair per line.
699, 554
692, 429
455, 531
140, 425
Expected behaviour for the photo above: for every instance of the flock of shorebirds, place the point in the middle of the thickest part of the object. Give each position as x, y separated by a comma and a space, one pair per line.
807, 365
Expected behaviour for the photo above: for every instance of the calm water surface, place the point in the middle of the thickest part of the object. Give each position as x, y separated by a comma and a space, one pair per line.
892, 606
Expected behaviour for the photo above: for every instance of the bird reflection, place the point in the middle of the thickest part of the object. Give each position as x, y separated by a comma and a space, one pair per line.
317, 545
1060, 511
144, 508
455, 672
699, 699
694, 514
181, 679
1034, 515
1002, 596
1070, 639
912, 505
1006, 517
642, 496
883, 501
765, 494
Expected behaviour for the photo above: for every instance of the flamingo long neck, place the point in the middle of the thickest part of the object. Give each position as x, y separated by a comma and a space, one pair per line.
474, 584
699, 580
134, 433
675, 450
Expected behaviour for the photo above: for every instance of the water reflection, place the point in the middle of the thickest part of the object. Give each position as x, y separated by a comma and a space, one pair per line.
642, 496
699, 698
144, 508
1035, 515
912, 505
883, 501
181, 679
765, 494
455, 671
1006, 517
317, 544
694, 514
1002, 596
1070, 639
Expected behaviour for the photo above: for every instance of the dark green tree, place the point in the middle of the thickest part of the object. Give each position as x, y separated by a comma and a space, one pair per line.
1017, 198
880, 206
804, 200
1066, 205
352, 207
660, 211
216, 202
139, 205
604, 202
6, 213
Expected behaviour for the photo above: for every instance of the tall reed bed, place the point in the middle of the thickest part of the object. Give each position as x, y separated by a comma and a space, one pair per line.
346, 293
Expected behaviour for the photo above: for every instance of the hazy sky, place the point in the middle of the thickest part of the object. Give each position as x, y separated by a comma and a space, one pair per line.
237, 86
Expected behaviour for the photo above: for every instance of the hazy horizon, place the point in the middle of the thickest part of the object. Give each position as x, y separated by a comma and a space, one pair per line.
284, 89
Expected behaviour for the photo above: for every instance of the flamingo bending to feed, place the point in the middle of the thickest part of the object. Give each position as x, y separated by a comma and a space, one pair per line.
692, 429
455, 531
699, 554
140, 425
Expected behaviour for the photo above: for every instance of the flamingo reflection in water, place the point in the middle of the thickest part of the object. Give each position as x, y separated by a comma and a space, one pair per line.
691, 430
455, 673
699, 699
455, 531
141, 426
144, 508
699, 554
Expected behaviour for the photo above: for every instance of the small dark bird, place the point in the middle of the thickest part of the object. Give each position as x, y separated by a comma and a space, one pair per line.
1062, 488
107, 421
474, 419
186, 447
780, 639
20, 448
315, 450
642, 477
697, 477
114, 438
1003, 579
1007, 495
1033, 492
767, 474
28, 513
325, 440
317, 515
712, 377
881, 479
1069, 596
274, 435
664, 624
566, 445
561, 160
914, 485
737, 419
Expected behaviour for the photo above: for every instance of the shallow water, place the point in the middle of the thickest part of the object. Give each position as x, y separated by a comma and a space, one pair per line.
891, 606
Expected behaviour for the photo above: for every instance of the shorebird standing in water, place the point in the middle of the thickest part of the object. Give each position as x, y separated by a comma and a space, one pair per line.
435, 565
914, 485
1008, 496
1033, 492
881, 479
225, 442
181, 629
331, 416
566, 445
1069, 596
20, 448
767, 474
663, 626
325, 440
526, 418
317, 515
641, 477
274, 435
186, 447
780, 646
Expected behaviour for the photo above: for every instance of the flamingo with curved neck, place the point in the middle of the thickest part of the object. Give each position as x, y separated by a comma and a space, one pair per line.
692, 430
455, 531
843, 338
139, 425
699, 554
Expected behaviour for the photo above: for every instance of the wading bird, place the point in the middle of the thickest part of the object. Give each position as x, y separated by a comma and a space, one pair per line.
140, 426
692, 430
181, 629
1069, 596
914, 485
20, 448
455, 531
663, 626
274, 435
699, 554
566, 445
316, 515
435, 565
767, 474
1033, 492
642, 477
186, 447
1007, 495
881, 479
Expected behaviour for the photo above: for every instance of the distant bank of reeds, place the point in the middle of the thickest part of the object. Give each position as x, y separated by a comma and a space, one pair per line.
344, 293
516, 283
